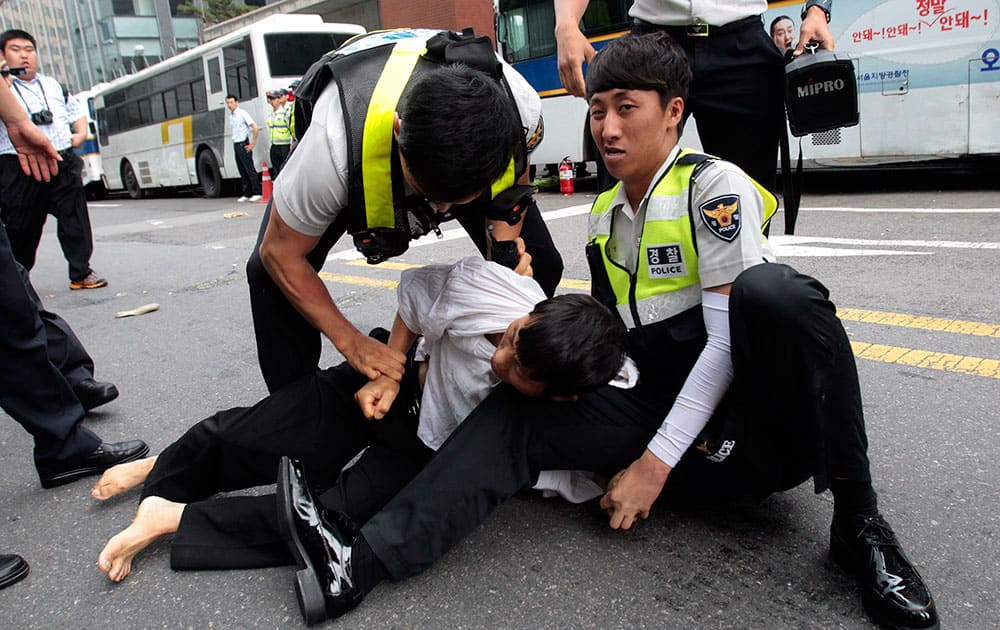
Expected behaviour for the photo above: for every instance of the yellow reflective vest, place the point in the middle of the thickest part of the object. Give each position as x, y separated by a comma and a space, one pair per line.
665, 283
279, 123
372, 76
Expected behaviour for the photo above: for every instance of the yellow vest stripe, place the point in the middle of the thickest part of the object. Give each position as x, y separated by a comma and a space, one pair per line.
376, 146
504, 182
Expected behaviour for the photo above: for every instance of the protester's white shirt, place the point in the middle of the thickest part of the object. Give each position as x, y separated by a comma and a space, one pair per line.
454, 307
312, 190
681, 12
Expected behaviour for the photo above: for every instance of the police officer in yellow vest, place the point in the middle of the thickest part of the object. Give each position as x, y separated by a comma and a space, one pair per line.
279, 125
401, 129
774, 390
747, 383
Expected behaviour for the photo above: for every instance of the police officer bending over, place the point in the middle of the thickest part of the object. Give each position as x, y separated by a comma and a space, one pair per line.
747, 380
405, 128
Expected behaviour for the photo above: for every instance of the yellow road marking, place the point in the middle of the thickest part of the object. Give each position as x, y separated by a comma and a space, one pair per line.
917, 321
927, 359
359, 280
976, 366
395, 266
583, 285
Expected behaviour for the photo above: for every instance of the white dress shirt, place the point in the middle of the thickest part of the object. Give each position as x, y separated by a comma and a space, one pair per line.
682, 12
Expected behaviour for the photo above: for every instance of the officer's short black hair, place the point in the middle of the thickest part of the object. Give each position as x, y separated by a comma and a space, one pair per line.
15, 33
232, 96
652, 61
573, 344
457, 132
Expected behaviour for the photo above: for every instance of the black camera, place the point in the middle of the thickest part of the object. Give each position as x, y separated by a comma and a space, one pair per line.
43, 117
17, 72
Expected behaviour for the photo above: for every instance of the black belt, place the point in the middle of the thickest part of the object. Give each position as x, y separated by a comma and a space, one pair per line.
65, 153
700, 29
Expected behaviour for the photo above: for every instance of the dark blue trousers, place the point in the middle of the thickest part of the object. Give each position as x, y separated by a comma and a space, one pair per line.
40, 360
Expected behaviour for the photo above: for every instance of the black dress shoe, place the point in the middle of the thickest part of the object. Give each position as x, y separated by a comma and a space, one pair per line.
893, 593
92, 394
320, 540
13, 568
104, 457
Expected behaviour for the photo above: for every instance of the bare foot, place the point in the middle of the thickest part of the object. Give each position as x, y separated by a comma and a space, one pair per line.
155, 517
121, 478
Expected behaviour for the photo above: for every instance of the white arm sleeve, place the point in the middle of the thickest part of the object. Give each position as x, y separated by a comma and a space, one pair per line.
705, 385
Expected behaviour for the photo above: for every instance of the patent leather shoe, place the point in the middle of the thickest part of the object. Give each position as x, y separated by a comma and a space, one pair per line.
893, 593
103, 457
13, 568
320, 540
92, 394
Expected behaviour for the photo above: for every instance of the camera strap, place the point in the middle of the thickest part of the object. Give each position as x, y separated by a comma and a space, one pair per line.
45, 99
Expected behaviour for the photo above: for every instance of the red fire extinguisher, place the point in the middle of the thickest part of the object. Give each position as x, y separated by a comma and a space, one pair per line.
566, 176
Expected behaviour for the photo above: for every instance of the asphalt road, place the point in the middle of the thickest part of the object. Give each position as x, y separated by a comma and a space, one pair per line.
905, 257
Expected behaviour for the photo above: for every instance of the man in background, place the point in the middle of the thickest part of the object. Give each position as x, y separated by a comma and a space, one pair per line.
244, 132
33, 389
280, 126
24, 201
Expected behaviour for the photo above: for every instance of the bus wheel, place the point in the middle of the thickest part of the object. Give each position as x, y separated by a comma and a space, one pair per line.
131, 181
208, 174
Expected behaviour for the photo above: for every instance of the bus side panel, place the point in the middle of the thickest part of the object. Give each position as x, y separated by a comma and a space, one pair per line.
984, 101
209, 129
564, 118
931, 121
926, 80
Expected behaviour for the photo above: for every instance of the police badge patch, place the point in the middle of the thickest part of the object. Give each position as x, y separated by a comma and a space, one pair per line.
722, 216
536, 138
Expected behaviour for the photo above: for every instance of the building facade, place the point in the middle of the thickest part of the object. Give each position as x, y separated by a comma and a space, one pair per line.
46, 21
86, 42
113, 38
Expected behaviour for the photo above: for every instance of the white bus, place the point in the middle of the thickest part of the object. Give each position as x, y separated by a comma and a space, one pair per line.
928, 77
166, 125
90, 151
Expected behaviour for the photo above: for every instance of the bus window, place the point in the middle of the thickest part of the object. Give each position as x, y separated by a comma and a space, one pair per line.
214, 75
170, 104
102, 126
159, 113
145, 112
291, 54
134, 119
200, 96
602, 16
527, 27
240, 72
185, 105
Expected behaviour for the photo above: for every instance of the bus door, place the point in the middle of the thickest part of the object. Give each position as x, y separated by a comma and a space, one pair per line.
216, 83
216, 131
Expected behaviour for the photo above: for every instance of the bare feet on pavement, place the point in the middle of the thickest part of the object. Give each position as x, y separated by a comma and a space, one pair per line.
155, 517
121, 478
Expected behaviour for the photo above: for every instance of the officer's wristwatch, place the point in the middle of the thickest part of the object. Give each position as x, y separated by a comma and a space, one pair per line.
826, 5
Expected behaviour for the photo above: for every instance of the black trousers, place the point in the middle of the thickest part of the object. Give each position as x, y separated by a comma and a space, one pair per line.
793, 411
736, 94
288, 347
249, 182
315, 420
279, 153
40, 360
25, 203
